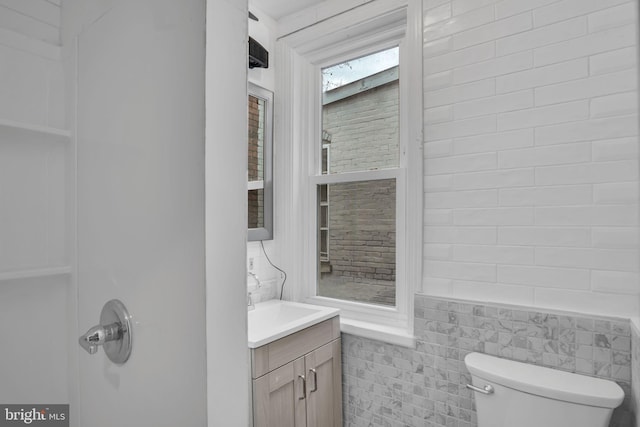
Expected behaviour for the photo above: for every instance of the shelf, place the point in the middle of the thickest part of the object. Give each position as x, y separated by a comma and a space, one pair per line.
33, 46
22, 131
35, 272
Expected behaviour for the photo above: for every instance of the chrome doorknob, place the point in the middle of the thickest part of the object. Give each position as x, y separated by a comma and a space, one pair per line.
113, 333
99, 335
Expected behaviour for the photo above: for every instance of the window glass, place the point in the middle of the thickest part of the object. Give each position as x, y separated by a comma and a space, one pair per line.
256, 138
356, 220
256, 208
357, 241
358, 68
256, 161
360, 114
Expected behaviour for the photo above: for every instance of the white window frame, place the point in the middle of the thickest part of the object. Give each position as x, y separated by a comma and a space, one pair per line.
303, 89
396, 316
266, 184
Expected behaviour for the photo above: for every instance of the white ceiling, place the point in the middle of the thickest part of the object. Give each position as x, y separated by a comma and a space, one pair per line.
279, 8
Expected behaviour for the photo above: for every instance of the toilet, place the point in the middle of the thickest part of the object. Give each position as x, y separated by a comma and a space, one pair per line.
514, 394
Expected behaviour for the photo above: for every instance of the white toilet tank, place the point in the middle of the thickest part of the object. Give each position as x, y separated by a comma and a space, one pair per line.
514, 394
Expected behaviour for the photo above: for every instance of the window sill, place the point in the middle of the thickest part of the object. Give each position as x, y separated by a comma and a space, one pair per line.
388, 334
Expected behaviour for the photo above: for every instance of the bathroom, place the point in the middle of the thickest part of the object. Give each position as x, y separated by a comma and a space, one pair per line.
520, 200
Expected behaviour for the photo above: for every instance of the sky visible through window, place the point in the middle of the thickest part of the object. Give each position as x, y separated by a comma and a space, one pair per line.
356, 69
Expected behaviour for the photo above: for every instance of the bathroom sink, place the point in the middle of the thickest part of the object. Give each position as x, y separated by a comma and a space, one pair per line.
274, 319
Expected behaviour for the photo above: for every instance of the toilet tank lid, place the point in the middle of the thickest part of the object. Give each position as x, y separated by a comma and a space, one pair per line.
546, 382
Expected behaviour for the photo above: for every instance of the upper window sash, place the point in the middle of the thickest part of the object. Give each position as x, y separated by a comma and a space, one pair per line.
396, 315
402, 91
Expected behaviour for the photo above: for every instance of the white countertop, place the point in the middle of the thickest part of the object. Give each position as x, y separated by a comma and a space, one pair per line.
274, 319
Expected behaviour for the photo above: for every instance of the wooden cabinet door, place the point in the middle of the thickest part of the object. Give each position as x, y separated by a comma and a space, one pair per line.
324, 386
278, 397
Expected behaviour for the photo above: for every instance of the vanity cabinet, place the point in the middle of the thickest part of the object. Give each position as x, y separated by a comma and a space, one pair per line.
297, 380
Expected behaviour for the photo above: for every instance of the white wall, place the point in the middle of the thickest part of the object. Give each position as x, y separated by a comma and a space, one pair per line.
264, 32
226, 213
34, 251
531, 153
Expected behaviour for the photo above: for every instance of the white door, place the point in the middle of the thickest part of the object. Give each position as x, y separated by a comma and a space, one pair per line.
141, 207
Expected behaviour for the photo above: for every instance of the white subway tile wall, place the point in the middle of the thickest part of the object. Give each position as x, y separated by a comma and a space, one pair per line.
531, 152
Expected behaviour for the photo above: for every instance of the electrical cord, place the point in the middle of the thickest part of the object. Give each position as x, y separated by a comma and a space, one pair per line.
277, 268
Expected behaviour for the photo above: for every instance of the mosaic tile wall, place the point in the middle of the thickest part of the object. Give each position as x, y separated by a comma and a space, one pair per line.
635, 374
393, 386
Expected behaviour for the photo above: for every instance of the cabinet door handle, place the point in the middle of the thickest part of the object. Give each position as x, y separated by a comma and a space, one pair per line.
304, 387
315, 380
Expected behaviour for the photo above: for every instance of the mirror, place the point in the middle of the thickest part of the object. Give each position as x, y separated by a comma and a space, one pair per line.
259, 171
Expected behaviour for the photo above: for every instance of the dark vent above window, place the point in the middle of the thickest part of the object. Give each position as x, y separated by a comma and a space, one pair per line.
258, 55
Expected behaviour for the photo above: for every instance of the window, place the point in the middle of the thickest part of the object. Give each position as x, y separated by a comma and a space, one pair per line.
357, 216
259, 173
351, 114
257, 107
358, 186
